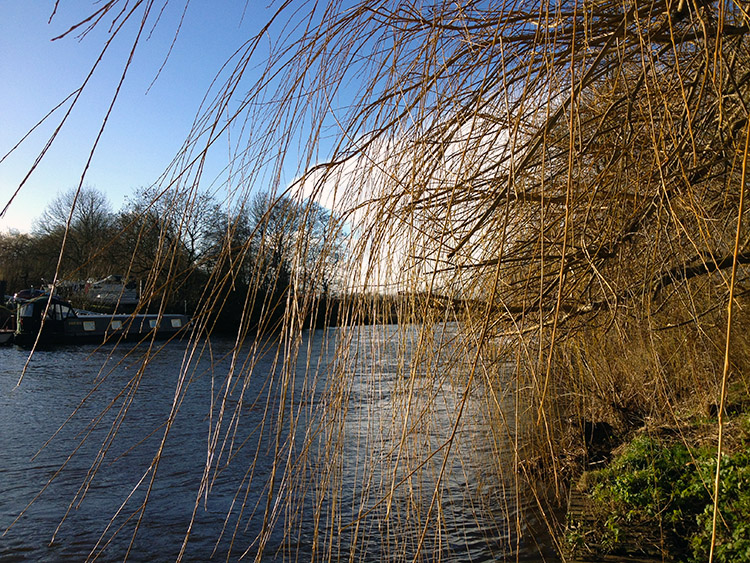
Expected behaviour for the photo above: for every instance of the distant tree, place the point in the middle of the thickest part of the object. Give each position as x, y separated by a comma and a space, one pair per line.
225, 243
258, 252
320, 248
87, 218
155, 243
143, 233
87, 209
20, 264
276, 224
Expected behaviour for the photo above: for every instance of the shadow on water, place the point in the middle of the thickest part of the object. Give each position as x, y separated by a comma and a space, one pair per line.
390, 426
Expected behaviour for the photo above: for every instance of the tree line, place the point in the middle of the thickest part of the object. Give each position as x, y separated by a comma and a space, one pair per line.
251, 254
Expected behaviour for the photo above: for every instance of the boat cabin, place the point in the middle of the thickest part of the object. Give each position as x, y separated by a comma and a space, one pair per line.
59, 322
29, 316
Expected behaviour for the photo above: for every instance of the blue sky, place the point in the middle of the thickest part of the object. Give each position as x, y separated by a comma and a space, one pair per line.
147, 126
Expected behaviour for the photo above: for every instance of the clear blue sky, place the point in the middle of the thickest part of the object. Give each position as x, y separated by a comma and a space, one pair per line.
147, 126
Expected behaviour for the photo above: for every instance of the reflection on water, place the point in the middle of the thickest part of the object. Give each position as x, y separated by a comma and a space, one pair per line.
391, 457
427, 453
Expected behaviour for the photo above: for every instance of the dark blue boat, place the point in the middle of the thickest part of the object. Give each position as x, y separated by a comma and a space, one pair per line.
57, 322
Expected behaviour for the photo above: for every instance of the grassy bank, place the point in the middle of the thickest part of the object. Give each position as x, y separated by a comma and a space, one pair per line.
655, 499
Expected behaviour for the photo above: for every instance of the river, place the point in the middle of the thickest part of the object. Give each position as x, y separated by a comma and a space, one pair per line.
339, 457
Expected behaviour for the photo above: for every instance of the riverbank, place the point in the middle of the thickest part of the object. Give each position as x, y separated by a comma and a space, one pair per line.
654, 500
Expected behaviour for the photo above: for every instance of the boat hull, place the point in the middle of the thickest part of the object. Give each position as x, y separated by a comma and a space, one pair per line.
63, 325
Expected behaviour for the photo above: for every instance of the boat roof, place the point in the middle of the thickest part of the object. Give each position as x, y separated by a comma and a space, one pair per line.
47, 297
28, 295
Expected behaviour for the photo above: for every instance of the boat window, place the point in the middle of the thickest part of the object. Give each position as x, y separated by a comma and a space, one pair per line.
153, 323
58, 312
89, 326
27, 310
176, 323
66, 311
115, 325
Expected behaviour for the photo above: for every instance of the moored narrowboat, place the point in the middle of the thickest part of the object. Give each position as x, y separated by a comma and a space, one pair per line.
7, 324
63, 324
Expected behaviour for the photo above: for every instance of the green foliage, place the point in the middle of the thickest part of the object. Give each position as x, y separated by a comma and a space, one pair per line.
668, 488
733, 527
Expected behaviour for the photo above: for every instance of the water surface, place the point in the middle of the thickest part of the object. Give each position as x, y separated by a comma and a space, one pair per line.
361, 476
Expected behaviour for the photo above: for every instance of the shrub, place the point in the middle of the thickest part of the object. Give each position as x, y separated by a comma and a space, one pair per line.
655, 486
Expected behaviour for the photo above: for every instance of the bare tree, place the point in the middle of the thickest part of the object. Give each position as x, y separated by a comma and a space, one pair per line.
87, 218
